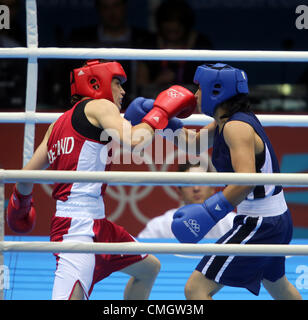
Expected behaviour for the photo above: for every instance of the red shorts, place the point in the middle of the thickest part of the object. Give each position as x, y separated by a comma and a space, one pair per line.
87, 269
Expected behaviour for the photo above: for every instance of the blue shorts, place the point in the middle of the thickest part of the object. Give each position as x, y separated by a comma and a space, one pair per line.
244, 271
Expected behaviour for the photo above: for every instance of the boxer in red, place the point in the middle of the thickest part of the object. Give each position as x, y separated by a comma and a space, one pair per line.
74, 142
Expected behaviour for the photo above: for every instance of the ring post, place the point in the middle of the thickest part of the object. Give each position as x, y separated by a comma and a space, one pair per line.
32, 74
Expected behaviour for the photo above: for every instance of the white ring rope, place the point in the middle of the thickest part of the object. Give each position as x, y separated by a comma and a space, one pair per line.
267, 120
165, 248
154, 54
154, 178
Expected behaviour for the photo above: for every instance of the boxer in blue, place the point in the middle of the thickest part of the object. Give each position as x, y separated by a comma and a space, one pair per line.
239, 145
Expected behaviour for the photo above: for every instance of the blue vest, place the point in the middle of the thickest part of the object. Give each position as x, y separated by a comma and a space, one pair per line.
267, 163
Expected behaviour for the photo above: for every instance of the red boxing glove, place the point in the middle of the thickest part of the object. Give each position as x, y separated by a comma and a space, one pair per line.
21, 214
175, 101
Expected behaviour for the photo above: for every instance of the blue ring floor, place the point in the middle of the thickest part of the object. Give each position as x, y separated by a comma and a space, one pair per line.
29, 276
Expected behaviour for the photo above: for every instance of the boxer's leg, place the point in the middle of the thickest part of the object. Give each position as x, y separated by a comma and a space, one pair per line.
143, 275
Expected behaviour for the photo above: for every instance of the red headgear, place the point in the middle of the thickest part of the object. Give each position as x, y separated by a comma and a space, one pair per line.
94, 79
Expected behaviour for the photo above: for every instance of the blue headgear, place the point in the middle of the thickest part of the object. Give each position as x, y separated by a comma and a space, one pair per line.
219, 82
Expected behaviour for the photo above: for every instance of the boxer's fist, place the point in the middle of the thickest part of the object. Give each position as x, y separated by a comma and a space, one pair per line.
192, 222
140, 106
175, 101
21, 214
137, 109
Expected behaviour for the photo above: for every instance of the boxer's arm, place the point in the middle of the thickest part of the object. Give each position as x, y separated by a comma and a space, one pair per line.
207, 131
240, 138
106, 115
39, 161
188, 137
210, 128
21, 215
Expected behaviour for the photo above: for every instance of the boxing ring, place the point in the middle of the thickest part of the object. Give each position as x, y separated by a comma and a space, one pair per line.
186, 252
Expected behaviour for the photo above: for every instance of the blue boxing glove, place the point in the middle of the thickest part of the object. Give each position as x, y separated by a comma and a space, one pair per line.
140, 106
137, 109
192, 222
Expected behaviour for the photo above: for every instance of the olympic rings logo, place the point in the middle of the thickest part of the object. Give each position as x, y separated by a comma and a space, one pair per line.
172, 93
135, 194
193, 223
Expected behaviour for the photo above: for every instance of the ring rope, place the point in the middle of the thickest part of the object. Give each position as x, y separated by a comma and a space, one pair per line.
267, 120
165, 248
154, 54
154, 178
